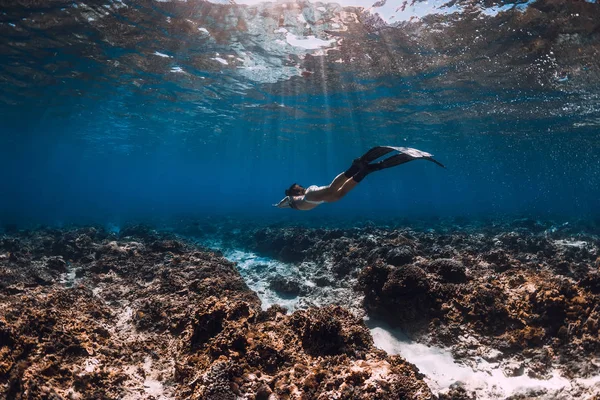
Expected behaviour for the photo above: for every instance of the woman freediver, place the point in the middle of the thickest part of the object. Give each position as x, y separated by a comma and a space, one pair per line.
300, 198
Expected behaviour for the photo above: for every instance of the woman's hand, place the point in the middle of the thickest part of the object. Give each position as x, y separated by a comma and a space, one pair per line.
284, 203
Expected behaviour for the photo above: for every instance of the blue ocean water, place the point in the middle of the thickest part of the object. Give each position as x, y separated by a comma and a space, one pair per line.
119, 111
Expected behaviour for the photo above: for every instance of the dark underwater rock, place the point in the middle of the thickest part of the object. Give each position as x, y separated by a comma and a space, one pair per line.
449, 270
399, 256
11, 244
57, 264
285, 285
263, 392
401, 295
331, 331
592, 282
291, 254
346, 266
457, 393
287, 245
173, 246
499, 259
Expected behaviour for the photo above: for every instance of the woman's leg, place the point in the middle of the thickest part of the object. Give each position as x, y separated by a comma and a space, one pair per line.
331, 191
340, 185
343, 183
343, 190
358, 164
338, 182
351, 182
325, 192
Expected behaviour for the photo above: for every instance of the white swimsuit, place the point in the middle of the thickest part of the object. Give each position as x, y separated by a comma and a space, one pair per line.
312, 189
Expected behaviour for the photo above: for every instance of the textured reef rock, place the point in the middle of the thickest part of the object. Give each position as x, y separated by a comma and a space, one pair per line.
522, 294
89, 314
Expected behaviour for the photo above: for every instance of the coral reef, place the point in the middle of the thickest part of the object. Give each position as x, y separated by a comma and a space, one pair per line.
524, 291
88, 314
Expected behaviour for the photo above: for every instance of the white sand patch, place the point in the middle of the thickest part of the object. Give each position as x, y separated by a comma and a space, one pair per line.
144, 383
144, 380
69, 278
152, 386
594, 381
90, 364
124, 320
571, 243
71, 274
256, 270
485, 378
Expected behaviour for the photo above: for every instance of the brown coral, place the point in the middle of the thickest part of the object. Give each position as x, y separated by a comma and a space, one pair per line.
140, 320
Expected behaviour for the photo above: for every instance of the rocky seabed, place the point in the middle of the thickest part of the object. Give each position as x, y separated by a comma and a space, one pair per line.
244, 312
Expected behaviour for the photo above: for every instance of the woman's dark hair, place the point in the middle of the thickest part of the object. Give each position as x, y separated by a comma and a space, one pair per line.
295, 190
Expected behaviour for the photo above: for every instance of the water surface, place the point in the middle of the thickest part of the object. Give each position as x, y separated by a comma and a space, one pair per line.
117, 110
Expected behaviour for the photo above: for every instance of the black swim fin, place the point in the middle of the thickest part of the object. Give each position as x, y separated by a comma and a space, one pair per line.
376, 152
405, 155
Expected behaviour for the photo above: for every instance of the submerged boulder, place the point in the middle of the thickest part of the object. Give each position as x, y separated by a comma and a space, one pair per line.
399, 256
57, 264
498, 258
401, 295
285, 285
449, 270
331, 330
